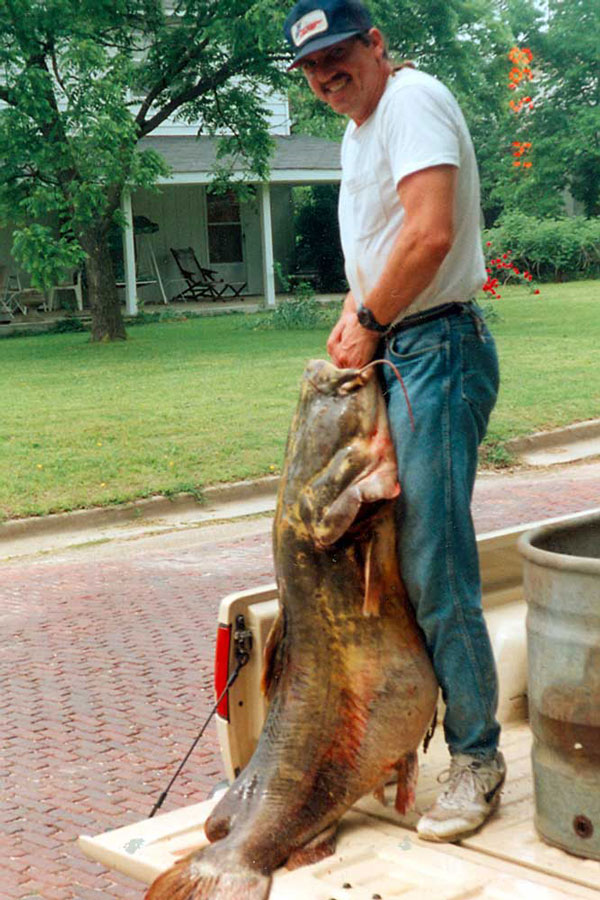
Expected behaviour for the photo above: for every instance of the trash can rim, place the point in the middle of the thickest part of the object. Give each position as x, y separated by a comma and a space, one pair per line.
562, 561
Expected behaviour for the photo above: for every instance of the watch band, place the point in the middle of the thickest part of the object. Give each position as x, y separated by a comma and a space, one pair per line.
368, 320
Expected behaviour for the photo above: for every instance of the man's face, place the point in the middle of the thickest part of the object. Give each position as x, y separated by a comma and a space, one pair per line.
350, 76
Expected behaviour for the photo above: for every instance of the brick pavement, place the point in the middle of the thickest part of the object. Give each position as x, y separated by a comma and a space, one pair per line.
105, 676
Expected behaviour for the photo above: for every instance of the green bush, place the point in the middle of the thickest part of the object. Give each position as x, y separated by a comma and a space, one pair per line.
318, 247
302, 312
552, 249
65, 326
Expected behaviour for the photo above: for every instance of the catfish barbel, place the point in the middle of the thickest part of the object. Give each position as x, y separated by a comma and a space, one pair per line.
350, 686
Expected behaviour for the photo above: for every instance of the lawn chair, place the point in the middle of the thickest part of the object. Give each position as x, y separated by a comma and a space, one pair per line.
10, 288
202, 283
73, 285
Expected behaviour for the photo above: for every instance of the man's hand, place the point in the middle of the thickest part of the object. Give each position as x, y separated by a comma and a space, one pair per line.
351, 346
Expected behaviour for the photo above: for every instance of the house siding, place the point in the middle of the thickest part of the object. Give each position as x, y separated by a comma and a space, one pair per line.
180, 211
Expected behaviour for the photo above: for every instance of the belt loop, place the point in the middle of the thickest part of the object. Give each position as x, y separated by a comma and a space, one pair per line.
476, 319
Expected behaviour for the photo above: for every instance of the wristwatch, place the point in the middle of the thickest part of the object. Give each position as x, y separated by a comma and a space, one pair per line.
368, 320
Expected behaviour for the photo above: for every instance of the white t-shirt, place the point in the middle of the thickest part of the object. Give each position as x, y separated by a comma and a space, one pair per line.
416, 124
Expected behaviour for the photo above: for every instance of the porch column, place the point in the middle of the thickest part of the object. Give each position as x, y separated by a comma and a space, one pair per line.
129, 256
267, 244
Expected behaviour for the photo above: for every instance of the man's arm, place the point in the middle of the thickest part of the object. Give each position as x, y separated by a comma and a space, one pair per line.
420, 248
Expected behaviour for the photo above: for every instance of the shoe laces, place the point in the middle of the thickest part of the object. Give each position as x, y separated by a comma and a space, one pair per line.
465, 780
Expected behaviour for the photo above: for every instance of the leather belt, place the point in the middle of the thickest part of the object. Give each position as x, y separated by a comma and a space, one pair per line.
428, 315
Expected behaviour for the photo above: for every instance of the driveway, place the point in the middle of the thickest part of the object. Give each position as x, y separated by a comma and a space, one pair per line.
106, 676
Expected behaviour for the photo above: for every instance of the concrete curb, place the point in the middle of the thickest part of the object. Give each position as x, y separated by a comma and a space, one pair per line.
137, 512
540, 440
152, 508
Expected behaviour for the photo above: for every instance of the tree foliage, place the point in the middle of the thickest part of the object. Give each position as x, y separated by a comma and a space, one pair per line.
564, 124
462, 42
466, 43
82, 81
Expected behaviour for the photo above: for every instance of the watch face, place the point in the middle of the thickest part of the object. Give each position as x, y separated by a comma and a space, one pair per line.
368, 320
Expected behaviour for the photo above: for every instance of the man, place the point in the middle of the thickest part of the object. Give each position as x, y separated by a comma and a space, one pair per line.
409, 221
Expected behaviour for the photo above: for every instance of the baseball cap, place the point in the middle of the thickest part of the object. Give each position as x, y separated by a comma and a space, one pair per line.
314, 25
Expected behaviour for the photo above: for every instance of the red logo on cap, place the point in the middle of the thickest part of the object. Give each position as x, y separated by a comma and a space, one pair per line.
312, 23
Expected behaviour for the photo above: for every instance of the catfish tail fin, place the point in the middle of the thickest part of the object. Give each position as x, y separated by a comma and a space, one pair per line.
194, 878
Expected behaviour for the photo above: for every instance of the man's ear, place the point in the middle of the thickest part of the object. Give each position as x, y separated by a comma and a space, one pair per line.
377, 42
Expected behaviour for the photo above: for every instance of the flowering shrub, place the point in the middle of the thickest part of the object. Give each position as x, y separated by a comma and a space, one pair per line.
550, 249
501, 269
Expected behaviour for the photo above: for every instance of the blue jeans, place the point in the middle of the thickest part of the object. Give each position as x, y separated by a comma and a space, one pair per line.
450, 370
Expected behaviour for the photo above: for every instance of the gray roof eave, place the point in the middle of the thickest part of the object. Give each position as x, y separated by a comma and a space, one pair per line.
297, 159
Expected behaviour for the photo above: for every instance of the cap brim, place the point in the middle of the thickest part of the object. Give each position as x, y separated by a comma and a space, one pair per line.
327, 40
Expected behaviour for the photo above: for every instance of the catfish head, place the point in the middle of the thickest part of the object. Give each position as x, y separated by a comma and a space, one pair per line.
340, 454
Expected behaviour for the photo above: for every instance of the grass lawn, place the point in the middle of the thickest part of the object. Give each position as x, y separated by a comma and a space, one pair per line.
548, 348
186, 404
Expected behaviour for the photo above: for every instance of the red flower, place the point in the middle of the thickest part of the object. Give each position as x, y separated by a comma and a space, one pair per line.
536, 291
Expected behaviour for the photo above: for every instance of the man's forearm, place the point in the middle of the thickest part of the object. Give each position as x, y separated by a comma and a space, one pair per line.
411, 267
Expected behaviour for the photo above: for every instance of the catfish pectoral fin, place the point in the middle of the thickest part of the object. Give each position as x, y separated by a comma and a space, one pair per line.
196, 879
373, 589
274, 661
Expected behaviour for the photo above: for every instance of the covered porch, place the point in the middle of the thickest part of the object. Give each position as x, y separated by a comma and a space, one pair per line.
244, 242
240, 241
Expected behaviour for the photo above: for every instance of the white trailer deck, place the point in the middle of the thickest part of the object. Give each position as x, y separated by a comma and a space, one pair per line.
378, 854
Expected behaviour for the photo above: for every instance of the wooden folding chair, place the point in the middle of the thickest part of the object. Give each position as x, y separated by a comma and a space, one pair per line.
201, 282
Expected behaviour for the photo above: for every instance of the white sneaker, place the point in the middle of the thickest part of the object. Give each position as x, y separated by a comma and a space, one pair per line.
470, 797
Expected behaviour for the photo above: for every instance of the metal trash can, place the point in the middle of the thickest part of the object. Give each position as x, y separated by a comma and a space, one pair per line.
561, 581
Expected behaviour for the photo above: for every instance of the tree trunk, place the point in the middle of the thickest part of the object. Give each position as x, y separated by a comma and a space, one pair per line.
107, 321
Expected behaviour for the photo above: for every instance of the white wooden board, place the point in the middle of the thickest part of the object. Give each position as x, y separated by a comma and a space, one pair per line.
378, 853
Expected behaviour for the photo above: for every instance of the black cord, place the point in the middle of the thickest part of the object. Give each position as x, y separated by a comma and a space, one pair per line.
242, 660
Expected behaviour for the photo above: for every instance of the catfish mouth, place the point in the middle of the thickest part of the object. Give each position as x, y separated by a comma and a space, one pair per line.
325, 378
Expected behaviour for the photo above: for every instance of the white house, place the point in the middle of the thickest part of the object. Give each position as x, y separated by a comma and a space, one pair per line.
239, 240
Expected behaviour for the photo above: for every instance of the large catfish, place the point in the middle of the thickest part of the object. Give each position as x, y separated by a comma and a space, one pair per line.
350, 685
